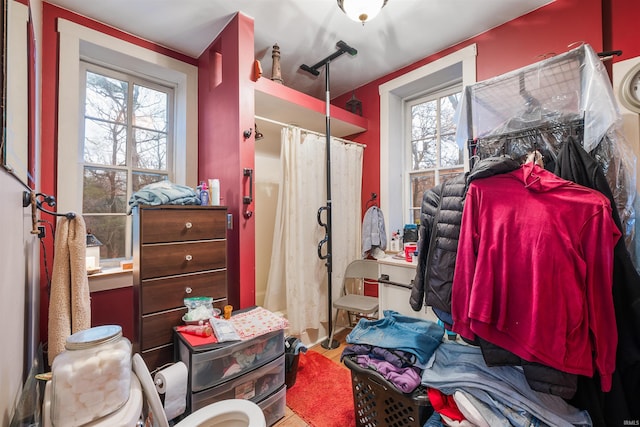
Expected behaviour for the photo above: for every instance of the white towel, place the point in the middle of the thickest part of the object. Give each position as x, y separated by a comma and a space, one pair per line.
69, 301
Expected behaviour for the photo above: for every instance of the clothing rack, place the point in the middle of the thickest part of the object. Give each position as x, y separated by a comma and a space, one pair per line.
544, 138
539, 106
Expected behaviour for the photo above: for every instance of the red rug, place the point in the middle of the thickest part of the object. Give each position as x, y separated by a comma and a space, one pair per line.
322, 393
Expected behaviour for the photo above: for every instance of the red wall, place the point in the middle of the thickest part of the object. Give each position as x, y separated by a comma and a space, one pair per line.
510, 46
623, 27
225, 110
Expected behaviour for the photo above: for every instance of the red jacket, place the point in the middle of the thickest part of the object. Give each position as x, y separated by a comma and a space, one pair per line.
534, 271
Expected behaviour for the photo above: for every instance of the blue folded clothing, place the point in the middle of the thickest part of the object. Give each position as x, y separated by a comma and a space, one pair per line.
163, 193
394, 330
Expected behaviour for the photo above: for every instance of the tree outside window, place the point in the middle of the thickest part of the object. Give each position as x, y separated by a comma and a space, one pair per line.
126, 145
435, 155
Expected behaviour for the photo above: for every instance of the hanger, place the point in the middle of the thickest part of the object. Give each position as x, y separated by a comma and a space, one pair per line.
372, 201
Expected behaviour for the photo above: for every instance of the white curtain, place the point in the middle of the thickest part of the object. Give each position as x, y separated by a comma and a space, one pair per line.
297, 281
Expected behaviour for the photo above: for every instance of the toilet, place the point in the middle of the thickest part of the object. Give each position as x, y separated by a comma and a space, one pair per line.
226, 413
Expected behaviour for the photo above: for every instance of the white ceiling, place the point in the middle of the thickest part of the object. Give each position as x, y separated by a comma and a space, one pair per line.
307, 31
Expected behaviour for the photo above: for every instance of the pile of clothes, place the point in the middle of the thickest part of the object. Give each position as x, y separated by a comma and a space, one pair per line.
410, 353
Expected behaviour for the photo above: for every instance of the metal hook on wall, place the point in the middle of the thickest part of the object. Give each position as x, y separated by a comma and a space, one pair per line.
31, 198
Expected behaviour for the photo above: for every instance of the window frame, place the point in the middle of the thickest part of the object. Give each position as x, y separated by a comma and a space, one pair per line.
459, 66
409, 103
81, 43
131, 79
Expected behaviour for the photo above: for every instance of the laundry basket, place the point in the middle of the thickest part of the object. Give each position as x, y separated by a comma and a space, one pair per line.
378, 403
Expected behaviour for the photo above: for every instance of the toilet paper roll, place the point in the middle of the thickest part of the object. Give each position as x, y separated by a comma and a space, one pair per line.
172, 382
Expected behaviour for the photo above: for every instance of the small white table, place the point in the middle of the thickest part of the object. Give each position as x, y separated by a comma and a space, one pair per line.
394, 288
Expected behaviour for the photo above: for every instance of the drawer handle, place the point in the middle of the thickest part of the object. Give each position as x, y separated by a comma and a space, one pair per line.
188, 290
188, 257
188, 225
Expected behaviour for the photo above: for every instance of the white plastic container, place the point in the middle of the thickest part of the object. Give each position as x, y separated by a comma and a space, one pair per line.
92, 377
214, 188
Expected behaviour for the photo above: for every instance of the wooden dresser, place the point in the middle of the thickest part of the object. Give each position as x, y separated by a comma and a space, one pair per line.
178, 252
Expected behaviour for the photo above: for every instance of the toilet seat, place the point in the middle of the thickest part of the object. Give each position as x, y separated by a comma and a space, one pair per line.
128, 415
228, 413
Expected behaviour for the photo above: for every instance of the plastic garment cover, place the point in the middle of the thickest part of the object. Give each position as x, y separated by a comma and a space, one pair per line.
537, 107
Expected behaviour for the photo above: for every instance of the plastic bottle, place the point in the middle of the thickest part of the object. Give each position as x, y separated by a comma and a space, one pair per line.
204, 194
214, 186
198, 330
395, 242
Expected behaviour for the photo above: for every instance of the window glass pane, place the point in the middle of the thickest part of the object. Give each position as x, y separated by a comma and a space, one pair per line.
105, 191
127, 145
105, 143
106, 98
149, 108
450, 153
415, 215
421, 182
110, 230
424, 120
446, 175
142, 179
149, 150
424, 154
448, 108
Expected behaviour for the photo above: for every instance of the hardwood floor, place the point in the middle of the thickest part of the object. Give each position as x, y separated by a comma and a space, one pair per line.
290, 418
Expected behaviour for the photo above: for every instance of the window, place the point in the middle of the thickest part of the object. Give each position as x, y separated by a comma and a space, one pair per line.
458, 69
80, 44
126, 144
434, 155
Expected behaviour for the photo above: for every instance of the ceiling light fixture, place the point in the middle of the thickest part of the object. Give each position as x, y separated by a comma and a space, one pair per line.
361, 10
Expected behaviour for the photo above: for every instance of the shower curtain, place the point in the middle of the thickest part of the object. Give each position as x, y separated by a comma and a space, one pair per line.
297, 281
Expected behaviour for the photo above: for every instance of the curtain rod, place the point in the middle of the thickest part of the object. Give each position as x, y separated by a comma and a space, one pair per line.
275, 122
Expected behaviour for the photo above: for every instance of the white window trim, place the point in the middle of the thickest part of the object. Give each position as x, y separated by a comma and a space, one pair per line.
392, 128
76, 42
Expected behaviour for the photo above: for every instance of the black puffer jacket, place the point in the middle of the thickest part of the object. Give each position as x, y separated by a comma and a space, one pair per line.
439, 232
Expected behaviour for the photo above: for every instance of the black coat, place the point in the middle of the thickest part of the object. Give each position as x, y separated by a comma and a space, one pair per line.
439, 232
620, 404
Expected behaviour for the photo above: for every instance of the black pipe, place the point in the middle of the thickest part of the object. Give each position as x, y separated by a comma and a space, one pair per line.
342, 48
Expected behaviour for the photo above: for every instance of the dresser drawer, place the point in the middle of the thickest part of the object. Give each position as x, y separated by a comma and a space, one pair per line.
212, 365
169, 292
182, 258
157, 328
254, 385
182, 224
158, 356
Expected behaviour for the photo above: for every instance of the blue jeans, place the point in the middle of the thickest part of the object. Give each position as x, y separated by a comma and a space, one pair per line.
434, 421
416, 336
503, 390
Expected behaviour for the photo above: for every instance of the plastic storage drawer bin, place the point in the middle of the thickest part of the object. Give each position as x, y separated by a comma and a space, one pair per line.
254, 386
377, 403
274, 406
213, 364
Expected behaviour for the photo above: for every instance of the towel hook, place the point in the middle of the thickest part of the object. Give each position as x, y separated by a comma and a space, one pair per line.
31, 198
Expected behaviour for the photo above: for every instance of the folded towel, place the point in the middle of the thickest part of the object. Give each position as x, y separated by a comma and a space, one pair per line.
163, 193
